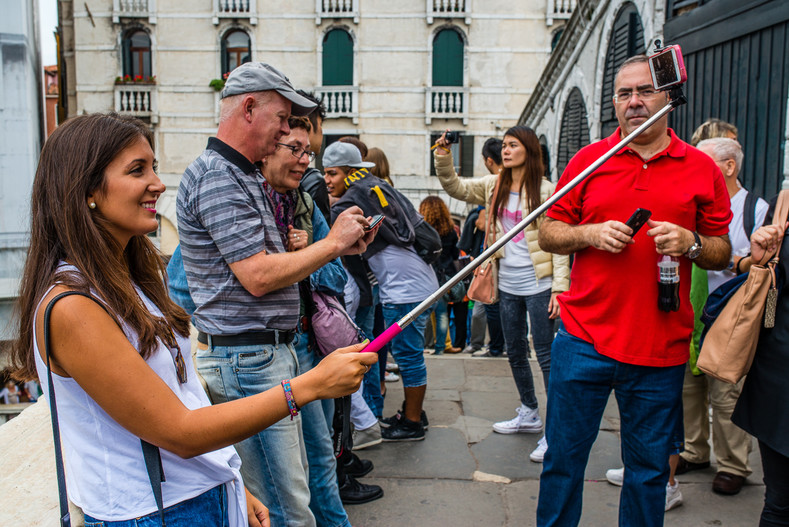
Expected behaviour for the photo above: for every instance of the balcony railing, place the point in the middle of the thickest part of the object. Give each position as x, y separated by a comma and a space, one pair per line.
446, 102
559, 10
235, 9
449, 9
336, 9
340, 101
133, 9
136, 100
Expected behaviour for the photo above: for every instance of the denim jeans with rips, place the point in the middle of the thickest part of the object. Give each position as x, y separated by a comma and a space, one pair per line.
408, 347
649, 400
325, 500
274, 461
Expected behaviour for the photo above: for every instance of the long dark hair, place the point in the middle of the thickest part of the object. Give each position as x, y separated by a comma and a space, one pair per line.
63, 228
530, 185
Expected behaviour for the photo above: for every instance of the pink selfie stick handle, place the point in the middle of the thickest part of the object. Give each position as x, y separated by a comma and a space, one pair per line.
383, 339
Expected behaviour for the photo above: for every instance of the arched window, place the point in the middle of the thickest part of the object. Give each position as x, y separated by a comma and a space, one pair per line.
627, 39
575, 129
235, 50
448, 58
137, 54
337, 58
557, 35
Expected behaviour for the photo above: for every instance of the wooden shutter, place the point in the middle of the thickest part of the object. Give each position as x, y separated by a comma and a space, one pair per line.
575, 129
467, 155
627, 39
448, 59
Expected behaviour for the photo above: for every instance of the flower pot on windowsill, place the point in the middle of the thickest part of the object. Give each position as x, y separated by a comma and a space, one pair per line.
139, 79
217, 84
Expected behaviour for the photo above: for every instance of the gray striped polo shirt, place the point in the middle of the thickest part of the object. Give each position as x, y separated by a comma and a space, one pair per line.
224, 217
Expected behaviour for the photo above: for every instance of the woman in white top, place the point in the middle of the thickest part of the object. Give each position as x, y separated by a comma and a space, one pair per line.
530, 279
125, 374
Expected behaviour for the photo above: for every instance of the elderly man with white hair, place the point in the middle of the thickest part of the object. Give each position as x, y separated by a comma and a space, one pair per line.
730, 443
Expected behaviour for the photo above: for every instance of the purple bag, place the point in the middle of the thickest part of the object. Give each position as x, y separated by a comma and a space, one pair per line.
331, 325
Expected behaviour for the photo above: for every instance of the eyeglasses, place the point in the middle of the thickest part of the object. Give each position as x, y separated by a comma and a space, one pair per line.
294, 150
624, 96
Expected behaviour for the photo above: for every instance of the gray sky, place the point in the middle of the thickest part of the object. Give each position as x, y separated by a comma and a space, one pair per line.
48, 21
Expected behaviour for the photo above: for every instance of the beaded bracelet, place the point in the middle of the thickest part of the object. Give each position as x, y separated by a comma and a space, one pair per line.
292, 406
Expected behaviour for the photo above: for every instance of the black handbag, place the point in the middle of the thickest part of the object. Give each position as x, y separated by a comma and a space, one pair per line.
151, 454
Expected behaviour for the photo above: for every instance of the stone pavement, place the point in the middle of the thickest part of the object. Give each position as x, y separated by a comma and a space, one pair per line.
463, 474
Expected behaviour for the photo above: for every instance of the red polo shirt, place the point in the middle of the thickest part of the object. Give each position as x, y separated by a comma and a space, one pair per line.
612, 301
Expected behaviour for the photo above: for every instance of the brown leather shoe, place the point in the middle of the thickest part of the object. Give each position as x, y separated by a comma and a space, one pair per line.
726, 483
686, 466
452, 350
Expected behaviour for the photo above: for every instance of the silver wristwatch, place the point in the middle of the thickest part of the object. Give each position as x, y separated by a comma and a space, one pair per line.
695, 249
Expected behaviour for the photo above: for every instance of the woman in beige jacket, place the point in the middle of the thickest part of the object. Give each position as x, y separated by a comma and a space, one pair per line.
529, 278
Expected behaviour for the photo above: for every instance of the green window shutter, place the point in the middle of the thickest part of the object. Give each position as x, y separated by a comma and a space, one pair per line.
337, 58
448, 59
574, 134
467, 155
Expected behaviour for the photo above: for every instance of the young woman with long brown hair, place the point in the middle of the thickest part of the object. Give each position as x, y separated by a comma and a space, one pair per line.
121, 359
436, 213
529, 278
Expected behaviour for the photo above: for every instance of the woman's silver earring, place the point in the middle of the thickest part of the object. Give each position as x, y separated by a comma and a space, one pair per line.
92, 204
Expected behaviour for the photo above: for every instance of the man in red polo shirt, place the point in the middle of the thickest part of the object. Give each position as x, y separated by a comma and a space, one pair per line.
613, 336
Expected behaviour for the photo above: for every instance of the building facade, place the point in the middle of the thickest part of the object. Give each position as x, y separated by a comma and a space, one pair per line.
393, 73
21, 136
738, 70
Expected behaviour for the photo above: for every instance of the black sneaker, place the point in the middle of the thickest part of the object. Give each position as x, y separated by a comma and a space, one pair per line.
357, 467
404, 430
386, 422
354, 493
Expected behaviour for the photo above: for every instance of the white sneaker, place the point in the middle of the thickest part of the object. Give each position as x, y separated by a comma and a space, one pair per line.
392, 367
527, 421
673, 496
538, 454
391, 377
615, 476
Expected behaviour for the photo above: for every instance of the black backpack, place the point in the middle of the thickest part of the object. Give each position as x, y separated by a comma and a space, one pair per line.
749, 213
427, 242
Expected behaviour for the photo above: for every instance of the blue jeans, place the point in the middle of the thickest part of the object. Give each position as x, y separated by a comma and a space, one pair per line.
441, 308
496, 344
325, 500
408, 347
371, 385
513, 311
274, 461
209, 509
649, 400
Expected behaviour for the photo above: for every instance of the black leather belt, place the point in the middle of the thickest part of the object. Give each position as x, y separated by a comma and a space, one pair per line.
250, 338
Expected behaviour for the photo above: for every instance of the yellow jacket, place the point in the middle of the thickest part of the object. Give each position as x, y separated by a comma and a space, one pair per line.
479, 191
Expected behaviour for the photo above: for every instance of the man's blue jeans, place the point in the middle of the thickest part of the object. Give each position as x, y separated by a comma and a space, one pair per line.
514, 309
274, 461
648, 398
408, 347
441, 308
325, 500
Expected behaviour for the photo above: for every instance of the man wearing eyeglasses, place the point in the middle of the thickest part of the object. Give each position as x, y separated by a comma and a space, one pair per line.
613, 336
235, 236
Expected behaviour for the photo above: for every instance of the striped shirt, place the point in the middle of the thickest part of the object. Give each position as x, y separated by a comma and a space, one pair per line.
224, 217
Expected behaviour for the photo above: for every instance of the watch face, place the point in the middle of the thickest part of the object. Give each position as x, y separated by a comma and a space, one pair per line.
694, 251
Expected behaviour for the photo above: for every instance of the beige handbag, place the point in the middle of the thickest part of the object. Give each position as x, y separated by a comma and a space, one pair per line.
730, 344
484, 286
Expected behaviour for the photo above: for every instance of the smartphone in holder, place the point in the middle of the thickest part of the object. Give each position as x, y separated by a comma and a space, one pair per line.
638, 219
375, 221
667, 68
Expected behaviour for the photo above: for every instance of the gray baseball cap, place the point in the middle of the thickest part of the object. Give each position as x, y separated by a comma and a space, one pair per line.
339, 154
257, 76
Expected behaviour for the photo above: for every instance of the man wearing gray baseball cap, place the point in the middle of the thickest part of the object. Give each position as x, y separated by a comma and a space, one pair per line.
244, 282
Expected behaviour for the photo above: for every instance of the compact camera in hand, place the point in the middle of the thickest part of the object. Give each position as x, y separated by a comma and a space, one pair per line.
452, 137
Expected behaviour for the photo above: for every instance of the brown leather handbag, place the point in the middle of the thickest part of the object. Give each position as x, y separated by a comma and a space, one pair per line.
484, 286
730, 344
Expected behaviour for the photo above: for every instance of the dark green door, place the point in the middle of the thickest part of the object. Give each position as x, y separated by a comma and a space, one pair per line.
337, 58
448, 59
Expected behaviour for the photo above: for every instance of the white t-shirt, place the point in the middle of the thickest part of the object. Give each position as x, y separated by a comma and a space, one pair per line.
516, 270
740, 245
403, 277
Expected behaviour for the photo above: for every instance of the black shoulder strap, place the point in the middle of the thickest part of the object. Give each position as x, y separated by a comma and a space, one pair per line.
153, 460
749, 213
